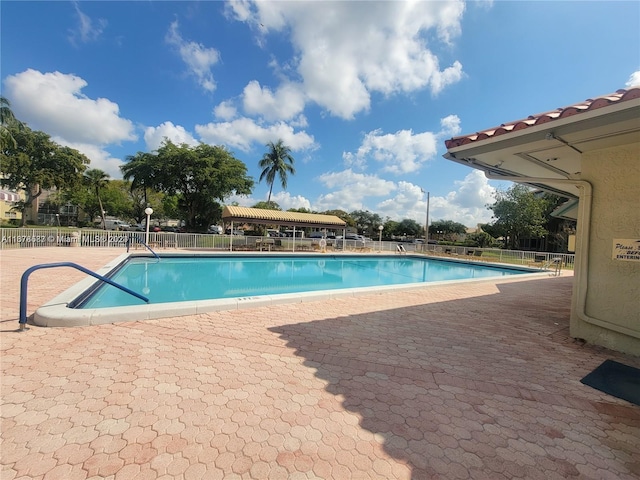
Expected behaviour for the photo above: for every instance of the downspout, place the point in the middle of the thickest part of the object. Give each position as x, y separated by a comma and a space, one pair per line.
582, 245
231, 238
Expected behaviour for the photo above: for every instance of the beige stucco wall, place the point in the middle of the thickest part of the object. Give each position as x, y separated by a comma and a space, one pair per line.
612, 286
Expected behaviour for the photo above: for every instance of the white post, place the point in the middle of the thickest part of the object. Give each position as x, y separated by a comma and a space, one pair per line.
148, 211
380, 228
426, 230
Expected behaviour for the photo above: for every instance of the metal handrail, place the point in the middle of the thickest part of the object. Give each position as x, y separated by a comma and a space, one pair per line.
140, 241
25, 277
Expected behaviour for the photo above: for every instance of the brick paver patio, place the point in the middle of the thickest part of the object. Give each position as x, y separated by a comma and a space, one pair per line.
453, 382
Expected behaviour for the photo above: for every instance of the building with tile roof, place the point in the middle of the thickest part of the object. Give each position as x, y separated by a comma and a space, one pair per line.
589, 153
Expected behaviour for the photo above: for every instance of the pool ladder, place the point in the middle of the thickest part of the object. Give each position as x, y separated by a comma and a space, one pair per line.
128, 244
25, 277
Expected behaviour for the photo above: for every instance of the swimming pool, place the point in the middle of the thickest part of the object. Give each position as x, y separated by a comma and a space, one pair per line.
188, 284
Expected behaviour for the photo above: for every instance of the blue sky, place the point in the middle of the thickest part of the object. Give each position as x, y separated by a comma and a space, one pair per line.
365, 93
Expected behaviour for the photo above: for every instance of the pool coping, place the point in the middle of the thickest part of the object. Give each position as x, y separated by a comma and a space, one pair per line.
56, 313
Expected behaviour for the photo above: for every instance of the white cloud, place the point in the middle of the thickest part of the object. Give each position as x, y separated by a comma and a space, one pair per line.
450, 126
634, 79
100, 158
243, 132
287, 201
409, 201
241, 200
400, 152
54, 103
225, 110
153, 136
348, 50
350, 189
199, 59
287, 102
86, 31
467, 204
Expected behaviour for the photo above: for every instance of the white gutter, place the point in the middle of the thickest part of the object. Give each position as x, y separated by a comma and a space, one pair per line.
582, 246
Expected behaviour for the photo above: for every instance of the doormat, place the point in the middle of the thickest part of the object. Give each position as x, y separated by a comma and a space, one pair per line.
616, 379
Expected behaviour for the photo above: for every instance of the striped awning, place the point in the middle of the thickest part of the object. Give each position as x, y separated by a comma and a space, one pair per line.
7, 196
277, 217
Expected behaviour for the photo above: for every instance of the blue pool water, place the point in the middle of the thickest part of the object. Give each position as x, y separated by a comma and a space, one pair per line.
189, 278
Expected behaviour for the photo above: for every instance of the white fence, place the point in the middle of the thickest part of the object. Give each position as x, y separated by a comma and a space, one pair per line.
84, 238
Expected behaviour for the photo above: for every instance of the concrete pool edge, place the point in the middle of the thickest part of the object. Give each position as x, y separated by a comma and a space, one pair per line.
56, 313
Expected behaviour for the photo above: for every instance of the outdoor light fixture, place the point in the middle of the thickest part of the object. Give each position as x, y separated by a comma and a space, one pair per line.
426, 226
148, 211
380, 228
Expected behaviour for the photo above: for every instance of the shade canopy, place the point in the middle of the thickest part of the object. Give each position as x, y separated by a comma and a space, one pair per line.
276, 217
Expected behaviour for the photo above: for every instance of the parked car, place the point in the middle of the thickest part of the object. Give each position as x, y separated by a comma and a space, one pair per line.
114, 224
136, 227
352, 240
215, 229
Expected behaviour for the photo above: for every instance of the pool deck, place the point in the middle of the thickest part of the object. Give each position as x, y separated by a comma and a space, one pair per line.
453, 382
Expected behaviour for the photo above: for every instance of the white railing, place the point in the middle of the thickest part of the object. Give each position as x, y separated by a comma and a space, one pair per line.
519, 257
85, 237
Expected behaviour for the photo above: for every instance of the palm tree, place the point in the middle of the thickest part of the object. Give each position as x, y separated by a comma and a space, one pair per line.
7, 119
276, 162
97, 179
140, 168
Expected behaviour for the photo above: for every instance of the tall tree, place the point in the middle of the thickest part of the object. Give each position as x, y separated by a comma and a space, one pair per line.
341, 214
36, 163
366, 222
518, 213
267, 206
201, 177
408, 227
277, 162
96, 179
446, 229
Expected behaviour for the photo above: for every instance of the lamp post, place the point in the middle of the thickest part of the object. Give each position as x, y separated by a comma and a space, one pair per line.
380, 228
426, 227
148, 211
69, 214
58, 218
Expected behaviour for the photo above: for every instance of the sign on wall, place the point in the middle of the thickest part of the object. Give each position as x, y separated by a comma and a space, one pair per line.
626, 249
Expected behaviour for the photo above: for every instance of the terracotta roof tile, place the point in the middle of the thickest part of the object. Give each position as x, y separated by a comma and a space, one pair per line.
542, 118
